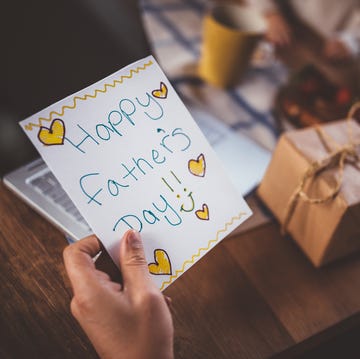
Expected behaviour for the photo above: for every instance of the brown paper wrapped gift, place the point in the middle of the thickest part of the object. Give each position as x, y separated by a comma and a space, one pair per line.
312, 186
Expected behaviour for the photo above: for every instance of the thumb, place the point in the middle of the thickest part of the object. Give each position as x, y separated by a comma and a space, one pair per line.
133, 263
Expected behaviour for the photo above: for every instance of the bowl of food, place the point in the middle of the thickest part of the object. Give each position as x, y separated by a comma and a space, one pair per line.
309, 98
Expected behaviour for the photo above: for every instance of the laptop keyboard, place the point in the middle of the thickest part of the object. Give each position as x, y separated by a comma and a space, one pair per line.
48, 185
212, 134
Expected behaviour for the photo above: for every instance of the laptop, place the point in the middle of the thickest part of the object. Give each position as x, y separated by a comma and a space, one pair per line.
70, 45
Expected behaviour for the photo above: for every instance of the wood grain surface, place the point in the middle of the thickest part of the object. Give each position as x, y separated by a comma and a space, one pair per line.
35, 320
254, 295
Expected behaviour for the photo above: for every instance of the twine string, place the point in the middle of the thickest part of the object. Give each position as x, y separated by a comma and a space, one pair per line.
337, 158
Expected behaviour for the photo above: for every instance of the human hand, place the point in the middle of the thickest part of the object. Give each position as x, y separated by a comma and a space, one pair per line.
130, 321
335, 50
278, 31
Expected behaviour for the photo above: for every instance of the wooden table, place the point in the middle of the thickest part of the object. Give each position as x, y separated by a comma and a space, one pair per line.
253, 296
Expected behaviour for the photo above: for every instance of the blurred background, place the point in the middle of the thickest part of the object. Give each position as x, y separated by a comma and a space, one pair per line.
50, 49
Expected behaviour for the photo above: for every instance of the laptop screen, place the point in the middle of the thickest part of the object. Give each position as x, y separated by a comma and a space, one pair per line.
52, 49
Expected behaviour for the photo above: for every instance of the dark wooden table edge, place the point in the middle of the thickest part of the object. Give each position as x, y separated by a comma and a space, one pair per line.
318, 339
325, 336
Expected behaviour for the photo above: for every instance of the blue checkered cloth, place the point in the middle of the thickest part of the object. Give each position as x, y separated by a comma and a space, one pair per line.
174, 28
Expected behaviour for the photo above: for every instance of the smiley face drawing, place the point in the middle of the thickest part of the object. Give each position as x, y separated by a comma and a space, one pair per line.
190, 204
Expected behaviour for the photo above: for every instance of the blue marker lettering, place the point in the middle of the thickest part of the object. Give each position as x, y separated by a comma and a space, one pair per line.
179, 132
155, 155
137, 163
127, 113
150, 100
129, 172
88, 136
114, 124
93, 197
168, 206
164, 145
114, 187
152, 218
136, 223
106, 131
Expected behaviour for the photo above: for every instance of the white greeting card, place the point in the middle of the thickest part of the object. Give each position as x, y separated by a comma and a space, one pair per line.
129, 155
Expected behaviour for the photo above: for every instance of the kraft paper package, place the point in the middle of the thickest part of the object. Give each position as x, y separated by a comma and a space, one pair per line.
312, 186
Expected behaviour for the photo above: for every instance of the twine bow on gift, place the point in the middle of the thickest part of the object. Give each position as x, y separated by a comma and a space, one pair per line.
339, 155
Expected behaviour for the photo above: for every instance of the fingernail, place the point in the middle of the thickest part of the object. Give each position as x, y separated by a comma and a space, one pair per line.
134, 240
168, 300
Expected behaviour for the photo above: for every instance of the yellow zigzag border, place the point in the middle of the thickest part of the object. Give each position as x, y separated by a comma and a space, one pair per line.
190, 261
30, 125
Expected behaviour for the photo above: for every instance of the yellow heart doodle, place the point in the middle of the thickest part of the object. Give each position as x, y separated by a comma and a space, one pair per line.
162, 92
162, 263
197, 167
54, 135
203, 213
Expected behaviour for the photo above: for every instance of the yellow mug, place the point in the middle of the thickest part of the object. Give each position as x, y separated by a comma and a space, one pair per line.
230, 35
